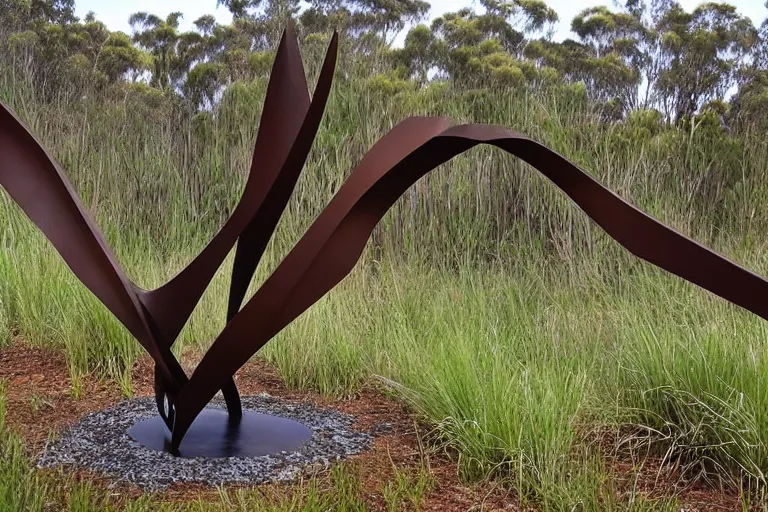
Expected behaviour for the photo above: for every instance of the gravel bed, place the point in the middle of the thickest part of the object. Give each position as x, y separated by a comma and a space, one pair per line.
100, 443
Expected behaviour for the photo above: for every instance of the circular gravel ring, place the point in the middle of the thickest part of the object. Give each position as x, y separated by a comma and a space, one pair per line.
100, 443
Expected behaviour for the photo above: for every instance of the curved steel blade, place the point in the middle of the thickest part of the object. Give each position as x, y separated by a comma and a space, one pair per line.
333, 244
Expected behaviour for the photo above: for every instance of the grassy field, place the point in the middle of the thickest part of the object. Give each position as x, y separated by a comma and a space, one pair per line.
524, 335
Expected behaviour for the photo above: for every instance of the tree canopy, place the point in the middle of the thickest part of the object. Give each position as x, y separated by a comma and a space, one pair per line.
643, 54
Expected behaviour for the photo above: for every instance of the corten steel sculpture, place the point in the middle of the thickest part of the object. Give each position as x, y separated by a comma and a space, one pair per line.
323, 256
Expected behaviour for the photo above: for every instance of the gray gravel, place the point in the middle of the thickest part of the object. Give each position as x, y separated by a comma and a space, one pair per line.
100, 443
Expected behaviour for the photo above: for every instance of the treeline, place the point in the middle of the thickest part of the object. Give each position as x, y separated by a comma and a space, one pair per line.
651, 55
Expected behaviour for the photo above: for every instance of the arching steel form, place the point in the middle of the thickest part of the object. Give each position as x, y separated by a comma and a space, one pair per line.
328, 250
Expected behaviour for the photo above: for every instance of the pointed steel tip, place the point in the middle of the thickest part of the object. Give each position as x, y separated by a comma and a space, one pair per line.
288, 32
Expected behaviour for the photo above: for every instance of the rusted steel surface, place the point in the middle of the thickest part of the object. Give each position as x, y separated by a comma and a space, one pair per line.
328, 250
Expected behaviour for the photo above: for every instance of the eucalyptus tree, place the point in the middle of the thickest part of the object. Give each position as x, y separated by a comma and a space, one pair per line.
267, 18
682, 59
19, 15
418, 54
701, 54
162, 39
61, 54
750, 103
100, 57
382, 19
612, 63
475, 49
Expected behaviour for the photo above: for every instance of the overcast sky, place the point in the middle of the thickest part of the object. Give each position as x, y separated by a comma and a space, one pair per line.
115, 13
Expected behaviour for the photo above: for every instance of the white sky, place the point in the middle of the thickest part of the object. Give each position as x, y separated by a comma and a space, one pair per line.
115, 13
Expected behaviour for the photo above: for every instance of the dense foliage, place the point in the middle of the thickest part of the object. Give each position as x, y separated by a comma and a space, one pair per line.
646, 54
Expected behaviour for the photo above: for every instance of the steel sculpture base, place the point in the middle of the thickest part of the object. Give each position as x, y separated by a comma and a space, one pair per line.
211, 435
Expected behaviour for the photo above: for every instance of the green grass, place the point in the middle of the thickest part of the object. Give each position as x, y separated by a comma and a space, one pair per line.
21, 489
487, 301
514, 375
